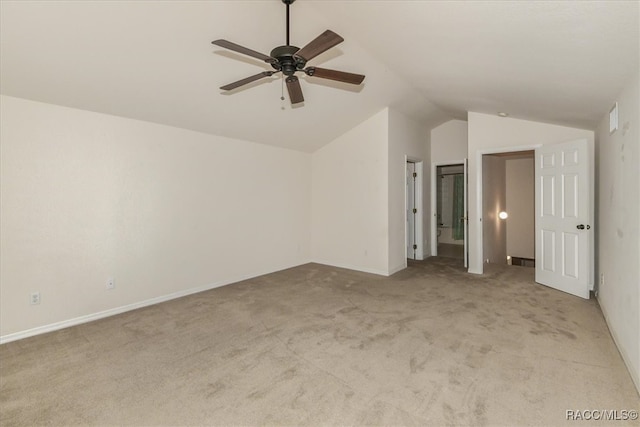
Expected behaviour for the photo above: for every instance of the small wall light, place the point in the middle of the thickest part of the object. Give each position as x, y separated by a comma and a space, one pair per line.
503, 215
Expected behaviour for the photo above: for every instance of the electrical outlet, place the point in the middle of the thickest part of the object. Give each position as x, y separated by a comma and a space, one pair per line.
111, 283
34, 298
601, 279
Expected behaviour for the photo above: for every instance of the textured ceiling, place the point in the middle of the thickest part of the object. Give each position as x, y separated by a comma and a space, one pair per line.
556, 62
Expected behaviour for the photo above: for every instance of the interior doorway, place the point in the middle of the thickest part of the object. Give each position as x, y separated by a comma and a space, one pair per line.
563, 214
450, 211
508, 205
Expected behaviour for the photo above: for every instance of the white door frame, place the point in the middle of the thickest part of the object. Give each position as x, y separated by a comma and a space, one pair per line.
410, 230
434, 204
419, 217
479, 186
465, 218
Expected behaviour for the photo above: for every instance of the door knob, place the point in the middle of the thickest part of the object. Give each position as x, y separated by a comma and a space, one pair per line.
580, 227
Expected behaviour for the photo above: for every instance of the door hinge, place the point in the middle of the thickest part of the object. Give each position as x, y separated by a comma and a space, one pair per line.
415, 246
415, 210
415, 174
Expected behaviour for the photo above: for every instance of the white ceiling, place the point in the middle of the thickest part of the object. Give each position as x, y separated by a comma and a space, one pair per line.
552, 61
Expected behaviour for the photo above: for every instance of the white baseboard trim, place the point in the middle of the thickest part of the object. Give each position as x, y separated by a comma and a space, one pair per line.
129, 307
396, 269
635, 375
351, 267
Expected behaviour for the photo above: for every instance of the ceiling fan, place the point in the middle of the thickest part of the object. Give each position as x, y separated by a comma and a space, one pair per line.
290, 59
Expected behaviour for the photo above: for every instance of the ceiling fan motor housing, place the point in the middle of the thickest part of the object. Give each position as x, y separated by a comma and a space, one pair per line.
288, 63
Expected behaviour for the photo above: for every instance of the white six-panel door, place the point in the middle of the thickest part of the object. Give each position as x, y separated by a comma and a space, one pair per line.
563, 216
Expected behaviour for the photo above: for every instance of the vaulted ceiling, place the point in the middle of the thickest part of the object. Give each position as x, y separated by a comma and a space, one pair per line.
555, 61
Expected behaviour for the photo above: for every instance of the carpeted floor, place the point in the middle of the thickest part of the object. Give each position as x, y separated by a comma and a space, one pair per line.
449, 250
316, 345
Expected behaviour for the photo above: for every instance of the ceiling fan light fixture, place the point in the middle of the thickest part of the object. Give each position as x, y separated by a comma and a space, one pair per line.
289, 59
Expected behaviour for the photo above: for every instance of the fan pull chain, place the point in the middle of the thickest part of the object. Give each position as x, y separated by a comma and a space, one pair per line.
282, 89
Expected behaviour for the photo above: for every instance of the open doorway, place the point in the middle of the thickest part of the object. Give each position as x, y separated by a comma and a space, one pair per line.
563, 214
450, 211
508, 204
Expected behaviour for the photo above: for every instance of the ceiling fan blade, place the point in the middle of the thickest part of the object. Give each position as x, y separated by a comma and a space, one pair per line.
247, 80
244, 50
340, 76
295, 91
322, 43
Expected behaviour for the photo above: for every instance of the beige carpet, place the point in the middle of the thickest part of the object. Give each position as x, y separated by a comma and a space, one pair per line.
316, 345
449, 250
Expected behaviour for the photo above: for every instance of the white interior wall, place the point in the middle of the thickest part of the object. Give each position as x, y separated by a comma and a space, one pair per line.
407, 138
520, 207
489, 133
350, 198
164, 211
494, 200
427, 233
618, 225
449, 142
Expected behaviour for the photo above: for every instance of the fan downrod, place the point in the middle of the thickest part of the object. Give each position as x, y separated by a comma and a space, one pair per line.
287, 62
